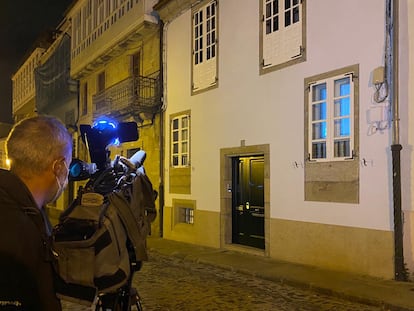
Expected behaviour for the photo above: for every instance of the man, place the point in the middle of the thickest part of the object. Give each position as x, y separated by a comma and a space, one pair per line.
40, 152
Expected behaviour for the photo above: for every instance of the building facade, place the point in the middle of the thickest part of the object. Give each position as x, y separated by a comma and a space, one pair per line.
23, 84
42, 85
115, 57
279, 125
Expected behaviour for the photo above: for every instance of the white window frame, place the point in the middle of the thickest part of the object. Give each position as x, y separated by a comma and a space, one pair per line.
330, 119
180, 142
205, 38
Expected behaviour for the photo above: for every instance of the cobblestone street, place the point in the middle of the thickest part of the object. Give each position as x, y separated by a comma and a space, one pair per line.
166, 283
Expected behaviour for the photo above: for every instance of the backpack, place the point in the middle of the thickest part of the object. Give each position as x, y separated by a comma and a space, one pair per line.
99, 238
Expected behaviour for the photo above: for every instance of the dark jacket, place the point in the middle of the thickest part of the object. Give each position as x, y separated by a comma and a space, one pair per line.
26, 259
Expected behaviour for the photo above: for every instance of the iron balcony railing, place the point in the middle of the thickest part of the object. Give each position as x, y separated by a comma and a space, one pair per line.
131, 96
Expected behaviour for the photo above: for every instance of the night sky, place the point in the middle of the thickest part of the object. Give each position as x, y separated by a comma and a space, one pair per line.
21, 23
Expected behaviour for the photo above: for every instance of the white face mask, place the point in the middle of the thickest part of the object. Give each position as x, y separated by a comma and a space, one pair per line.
61, 185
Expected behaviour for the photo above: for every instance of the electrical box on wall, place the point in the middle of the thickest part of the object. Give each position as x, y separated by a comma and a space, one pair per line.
378, 75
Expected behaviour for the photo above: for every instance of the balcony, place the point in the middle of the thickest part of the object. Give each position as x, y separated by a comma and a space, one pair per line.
129, 97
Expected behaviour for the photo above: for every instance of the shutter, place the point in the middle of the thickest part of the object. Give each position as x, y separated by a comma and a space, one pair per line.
284, 43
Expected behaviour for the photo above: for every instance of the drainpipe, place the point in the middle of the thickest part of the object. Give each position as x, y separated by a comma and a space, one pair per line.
161, 195
400, 272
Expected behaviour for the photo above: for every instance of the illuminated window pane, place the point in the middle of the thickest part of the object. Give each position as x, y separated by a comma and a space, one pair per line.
319, 92
342, 87
342, 127
319, 130
319, 111
342, 107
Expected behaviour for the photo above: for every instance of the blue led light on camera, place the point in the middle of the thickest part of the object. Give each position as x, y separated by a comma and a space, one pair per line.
107, 125
104, 124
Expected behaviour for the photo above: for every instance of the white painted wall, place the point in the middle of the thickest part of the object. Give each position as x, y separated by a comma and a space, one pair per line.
269, 109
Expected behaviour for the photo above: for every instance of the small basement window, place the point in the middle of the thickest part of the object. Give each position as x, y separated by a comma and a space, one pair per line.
186, 215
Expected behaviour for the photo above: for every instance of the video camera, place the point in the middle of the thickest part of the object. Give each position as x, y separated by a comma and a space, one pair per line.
103, 174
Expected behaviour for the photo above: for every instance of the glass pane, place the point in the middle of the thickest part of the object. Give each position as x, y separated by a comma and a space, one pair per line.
319, 111
295, 15
184, 134
342, 87
342, 127
184, 160
342, 148
342, 107
175, 160
184, 147
287, 4
287, 18
319, 150
175, 136
319, 130
268, 10
268, 26
275, 7
295, 2
175, 124
319, 92
276, 23
184, 122
175, 148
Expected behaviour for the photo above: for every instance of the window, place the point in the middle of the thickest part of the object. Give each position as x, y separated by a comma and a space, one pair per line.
331, 136
136, 64
180, 141
85, 99
184, 212
100, 87
205, 46
282, 34
330, 118
186, 215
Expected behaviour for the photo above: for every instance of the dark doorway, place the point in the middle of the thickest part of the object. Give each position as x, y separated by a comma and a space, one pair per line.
248, 201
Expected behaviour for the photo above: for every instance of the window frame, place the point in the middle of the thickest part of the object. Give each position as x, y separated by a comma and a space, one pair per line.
180, 154
204, 59
330, 119
333, 181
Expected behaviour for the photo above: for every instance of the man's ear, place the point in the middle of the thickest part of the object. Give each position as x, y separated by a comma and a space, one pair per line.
58, 166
